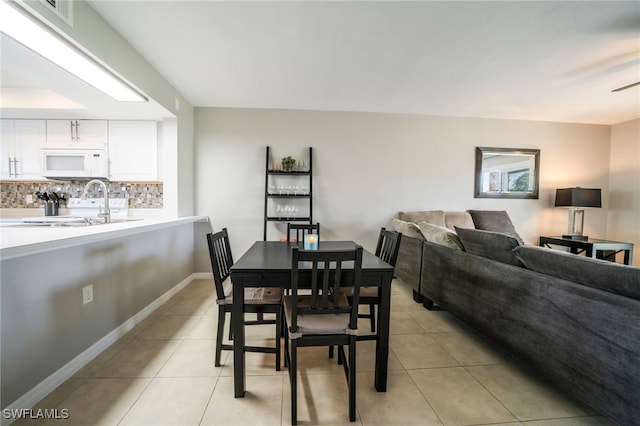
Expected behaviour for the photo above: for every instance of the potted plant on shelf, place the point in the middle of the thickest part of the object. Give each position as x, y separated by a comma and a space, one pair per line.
287, 163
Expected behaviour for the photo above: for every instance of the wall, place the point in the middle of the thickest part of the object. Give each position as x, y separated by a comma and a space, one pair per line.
44, 323
623, 221
95, 35
368, 166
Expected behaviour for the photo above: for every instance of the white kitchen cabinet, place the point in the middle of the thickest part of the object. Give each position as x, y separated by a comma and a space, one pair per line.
133, 150
20, 155
77, 134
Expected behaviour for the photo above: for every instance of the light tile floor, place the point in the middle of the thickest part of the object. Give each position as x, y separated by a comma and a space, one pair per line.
440, 372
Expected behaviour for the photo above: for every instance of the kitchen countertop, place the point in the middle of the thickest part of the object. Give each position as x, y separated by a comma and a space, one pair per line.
21, 240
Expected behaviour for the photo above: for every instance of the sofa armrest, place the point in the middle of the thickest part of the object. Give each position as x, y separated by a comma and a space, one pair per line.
408, 265
585, 339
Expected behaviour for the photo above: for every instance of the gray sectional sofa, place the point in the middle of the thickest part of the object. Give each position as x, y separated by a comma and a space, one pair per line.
576, 320
409, 263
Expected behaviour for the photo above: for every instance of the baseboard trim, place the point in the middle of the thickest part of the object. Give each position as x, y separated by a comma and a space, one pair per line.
202, 275
48, 385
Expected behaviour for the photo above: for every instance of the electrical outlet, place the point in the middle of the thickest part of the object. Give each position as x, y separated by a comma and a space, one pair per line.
87, 294
29, 199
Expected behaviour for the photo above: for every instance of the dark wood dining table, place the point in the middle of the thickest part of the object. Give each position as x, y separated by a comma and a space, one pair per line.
268, 264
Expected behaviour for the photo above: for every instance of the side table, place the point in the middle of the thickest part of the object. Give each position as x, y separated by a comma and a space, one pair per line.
591, 247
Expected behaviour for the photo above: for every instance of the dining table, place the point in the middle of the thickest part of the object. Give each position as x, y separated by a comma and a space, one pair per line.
268, 264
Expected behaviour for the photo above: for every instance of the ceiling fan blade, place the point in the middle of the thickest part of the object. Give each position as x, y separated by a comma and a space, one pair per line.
626, 87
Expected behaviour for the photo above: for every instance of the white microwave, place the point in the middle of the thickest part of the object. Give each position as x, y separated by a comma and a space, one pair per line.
75, 163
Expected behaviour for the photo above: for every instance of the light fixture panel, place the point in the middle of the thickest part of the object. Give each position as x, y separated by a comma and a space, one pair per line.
50, 46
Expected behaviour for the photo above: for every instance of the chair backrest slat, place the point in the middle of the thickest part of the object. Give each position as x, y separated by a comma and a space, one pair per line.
302, 229
221, 259
388, 246
314, 283
325, 289
325, 284
336, 284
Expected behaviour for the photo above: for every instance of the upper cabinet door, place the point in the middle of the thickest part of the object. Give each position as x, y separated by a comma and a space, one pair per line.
31, 136
21, 144
92, 132
133, 150
77, 134
7, 150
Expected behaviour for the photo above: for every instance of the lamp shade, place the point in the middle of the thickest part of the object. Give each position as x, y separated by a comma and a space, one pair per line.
578, 197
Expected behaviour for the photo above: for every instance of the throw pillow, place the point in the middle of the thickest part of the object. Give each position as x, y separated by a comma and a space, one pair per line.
431, 216
407, 229
496, 221
440, 235
460, 219
492, 245
600, 274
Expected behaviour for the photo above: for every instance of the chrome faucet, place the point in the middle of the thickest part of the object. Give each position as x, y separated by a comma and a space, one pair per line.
107, 212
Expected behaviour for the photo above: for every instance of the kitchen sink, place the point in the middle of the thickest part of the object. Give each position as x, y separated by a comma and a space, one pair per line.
57, 222
98, 221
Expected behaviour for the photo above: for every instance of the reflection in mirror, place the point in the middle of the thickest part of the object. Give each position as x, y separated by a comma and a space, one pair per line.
507, 172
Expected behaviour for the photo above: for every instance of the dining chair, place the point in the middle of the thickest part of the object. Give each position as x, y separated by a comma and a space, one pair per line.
387, 250
324, 316
256, 300
302, 229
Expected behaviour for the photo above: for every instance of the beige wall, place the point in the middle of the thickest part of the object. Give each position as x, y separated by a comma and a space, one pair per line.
368, 166
623, 222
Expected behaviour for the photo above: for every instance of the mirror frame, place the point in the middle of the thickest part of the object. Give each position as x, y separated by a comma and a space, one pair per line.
480, 151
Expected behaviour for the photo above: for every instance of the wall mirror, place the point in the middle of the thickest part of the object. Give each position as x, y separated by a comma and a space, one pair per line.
507, 172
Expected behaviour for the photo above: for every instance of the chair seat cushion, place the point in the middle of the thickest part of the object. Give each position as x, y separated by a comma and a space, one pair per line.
252, 295
368, 291
320, 323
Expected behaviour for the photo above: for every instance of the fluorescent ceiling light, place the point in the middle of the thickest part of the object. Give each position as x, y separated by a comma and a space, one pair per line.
30, 98
24, 30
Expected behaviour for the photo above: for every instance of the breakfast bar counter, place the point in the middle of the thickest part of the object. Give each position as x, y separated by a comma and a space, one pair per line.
50, 328
17, 239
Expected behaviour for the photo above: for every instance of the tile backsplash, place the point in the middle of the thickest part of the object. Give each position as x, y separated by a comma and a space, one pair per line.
142, 195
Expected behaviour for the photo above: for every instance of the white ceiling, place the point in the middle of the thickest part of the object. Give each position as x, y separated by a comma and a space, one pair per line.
549, 61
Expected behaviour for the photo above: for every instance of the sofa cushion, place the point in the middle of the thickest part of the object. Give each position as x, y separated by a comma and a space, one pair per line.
407, 229
440, 235
489, 244
496, 221
430, 216
459, 219
600, 274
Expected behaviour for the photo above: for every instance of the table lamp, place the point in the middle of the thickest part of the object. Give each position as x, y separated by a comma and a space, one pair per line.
576, 199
